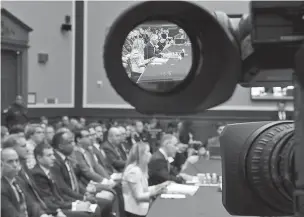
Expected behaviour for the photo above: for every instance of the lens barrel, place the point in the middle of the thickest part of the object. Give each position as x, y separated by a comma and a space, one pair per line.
269, 167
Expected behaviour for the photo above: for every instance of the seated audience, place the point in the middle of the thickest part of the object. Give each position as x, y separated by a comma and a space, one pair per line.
18, 143
14, 202
136, 192
48, 189
68, 172
89, 165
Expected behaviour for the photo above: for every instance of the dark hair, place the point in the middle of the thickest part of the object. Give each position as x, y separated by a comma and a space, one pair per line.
16, 129
38, 151
164, 36
57, 139
78, 135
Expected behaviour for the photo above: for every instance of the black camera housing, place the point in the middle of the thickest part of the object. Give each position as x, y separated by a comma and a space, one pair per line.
238, 144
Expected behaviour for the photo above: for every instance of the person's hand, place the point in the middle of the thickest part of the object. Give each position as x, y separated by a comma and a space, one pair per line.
191, 151
193, 159
165, 184
91, 188
202, 151
158, 190
186, 177
111, 183
88, 197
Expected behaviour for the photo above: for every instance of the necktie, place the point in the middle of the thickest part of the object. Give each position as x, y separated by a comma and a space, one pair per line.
21, 200
54, 187
72, 175
31, 184
101, 166
169, 166
87, 159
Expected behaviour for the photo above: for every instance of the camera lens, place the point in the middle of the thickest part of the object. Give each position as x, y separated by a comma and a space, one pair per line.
269, 167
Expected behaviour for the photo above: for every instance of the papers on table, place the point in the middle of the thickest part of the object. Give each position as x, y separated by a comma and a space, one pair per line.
92, 208
159, 61
173, 196
175, 188
207, 185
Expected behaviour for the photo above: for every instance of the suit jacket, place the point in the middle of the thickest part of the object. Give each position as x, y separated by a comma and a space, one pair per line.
62, 179
123, 151
160, 170
88, 166
103, 162
9, 203
114, 156
31, 190
150, 51
49, 191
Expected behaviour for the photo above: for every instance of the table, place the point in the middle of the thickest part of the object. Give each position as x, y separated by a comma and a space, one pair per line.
168, 74
207, 202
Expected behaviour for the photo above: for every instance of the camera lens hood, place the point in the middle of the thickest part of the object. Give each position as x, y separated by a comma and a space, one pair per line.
215, 58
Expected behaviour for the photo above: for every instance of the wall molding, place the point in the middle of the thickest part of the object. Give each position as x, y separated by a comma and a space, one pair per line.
73, 41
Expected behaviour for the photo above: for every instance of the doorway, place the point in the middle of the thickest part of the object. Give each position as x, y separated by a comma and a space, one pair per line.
9, 77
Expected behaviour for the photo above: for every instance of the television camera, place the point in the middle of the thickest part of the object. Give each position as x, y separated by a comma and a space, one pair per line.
263, 173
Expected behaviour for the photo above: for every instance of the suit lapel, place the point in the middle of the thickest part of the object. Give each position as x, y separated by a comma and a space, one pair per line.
10, 192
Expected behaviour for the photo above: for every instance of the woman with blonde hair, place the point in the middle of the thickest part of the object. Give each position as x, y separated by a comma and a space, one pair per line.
137, 64
136, 192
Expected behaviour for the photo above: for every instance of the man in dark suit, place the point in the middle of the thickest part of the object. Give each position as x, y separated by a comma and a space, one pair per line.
18, 143
48, 189
112, 151
102, 159
150, 49
68, 173
85, 158
97, 136
123, 147
14, 201
160, 168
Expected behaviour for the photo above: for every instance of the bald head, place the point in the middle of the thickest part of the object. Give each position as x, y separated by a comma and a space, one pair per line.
10, 163
114, 136
7, 152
